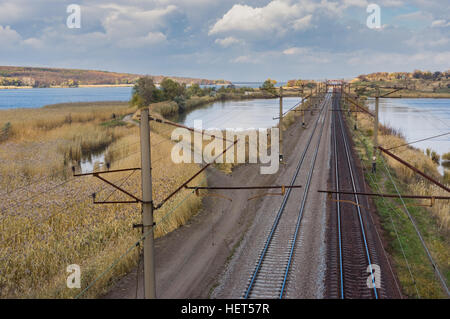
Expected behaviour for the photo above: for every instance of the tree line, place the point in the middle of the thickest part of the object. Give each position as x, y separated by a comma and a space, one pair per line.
146, 92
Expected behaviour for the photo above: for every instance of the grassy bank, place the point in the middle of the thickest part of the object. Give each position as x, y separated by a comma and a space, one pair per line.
413, 267
415, 88
48, 220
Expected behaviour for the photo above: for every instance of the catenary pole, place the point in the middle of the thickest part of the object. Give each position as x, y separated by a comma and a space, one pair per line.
147, 207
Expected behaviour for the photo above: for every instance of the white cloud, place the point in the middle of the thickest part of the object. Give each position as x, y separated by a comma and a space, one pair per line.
400, 61
123, 27
226, 42
150, 38
302, 23
129, 21
271, 36
356, 3
392, 3
276, 16
440, 23
245, 59
9, 37
12, 11
295, 50
35, 43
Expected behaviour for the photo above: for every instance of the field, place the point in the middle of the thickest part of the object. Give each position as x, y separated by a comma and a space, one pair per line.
48, 217
414, 270
15, 76
416, 88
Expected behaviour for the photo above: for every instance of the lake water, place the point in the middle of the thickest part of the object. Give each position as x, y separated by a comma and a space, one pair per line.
418, 119
414, 118
243, 114
33, 98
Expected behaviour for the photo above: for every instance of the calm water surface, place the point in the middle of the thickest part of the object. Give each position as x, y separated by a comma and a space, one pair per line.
417, 119
28, 98
242, 114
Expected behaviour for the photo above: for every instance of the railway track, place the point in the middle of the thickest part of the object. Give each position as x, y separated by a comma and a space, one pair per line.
271, 273
354, 249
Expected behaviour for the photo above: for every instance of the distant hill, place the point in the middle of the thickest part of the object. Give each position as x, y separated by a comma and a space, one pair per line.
417, 74
51, 77
414, 84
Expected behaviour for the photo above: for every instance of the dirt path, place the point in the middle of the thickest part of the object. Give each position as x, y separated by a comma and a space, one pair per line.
214, 254
190, 260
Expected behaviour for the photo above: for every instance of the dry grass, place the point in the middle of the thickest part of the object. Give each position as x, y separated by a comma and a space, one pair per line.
402, 241
32, 124
418, 159
46, 226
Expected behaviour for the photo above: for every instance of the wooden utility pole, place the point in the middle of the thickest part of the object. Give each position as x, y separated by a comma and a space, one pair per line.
147, 207
280, 125
375, 132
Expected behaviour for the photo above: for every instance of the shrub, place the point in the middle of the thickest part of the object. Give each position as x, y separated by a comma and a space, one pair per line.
446, 156
5, 132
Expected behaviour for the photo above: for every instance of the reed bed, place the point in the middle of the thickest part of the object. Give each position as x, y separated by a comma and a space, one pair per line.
389, 138
48, 219
32, 124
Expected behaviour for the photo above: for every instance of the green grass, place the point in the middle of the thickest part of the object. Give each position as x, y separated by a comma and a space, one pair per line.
395, 223
113, 123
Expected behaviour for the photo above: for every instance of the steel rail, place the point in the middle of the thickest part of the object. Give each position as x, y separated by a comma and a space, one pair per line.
347, 152
302, 208
280, 212
385, 195
338, 208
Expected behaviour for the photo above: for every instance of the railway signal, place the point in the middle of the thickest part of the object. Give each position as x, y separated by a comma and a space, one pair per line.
280, 125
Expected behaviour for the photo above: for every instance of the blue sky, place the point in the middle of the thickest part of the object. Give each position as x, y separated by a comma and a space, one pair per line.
234, 40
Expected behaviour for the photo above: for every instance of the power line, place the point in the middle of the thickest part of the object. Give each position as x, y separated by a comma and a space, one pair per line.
433, 263
121, 184
54, 214
397, 235
136, 244
425, 139
37, 194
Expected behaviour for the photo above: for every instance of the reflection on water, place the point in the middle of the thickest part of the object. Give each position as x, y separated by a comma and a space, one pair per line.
244, 114
417, 119
92, 162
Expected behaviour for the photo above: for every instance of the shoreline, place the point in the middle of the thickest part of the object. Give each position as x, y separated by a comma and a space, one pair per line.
67, 87
10, 87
